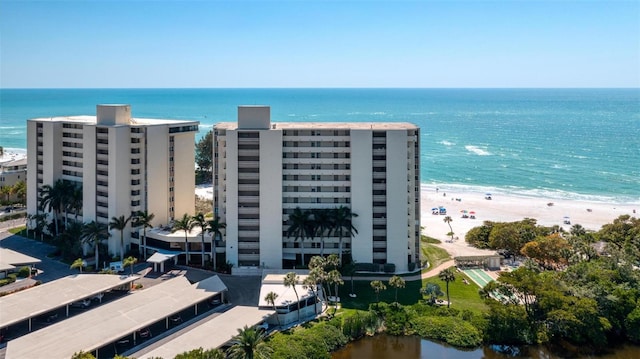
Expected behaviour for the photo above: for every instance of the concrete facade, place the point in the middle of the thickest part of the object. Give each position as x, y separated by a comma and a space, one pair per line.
264, 170
124, 165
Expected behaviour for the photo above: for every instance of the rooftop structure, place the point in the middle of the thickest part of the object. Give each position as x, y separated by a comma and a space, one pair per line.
122, 165
264, 171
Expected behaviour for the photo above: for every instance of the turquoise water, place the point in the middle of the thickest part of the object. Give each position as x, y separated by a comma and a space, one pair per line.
559, 143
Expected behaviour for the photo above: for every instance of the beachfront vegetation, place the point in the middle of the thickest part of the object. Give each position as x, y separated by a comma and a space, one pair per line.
204, 158
579, 286
15, 194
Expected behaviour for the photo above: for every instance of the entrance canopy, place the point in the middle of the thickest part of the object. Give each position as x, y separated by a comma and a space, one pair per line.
159, 257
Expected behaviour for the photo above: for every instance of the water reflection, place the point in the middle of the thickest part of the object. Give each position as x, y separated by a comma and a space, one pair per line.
390, 347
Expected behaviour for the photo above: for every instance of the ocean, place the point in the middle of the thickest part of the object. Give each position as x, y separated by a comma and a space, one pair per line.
581, 144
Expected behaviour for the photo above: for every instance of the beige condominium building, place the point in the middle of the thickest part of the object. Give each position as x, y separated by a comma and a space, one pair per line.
124, 165
264, 171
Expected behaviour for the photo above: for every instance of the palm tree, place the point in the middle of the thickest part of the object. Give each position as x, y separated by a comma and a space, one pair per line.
75, 201
323, 225
334, 277
270, 298
433, 291
448, 276
315, 277
143, 219
184, 224
51, 199
20, 190
130, 261
448, 221
249, 344
377, 287
342, 221
94, 233
301, 226
397, 282
214, 228
291, 280
200, 221
41, 222
120, 223
78, 263
6, 191
69, 241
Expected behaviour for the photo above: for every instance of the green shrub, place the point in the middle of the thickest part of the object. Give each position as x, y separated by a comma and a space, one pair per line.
356, 324
7, 280
318, 341
396, 318
452, 330
24, 272
389, 268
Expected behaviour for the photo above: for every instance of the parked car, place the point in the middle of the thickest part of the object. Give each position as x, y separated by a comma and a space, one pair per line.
82, 304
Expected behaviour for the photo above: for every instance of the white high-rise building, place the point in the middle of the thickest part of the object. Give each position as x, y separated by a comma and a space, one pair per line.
124, 165
264, 171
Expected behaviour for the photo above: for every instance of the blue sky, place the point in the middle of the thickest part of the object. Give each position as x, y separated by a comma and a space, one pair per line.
319, 44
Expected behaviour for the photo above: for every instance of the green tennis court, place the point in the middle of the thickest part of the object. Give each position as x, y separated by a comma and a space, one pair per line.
478, 276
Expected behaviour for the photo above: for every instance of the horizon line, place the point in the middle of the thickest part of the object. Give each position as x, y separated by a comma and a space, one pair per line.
320, 88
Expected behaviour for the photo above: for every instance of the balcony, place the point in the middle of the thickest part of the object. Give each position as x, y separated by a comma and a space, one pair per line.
252, 176
248, 164
316, 160
248, 210
248, 222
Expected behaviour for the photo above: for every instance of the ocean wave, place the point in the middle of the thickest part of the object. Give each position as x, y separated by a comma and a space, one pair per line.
446, 143
477, 150
20, 151
531, 193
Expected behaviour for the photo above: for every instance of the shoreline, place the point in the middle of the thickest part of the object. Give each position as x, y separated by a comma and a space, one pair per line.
591, 215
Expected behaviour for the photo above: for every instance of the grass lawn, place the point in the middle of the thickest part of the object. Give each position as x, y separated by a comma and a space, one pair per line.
410, 294
434, 255
21, 231
463, 296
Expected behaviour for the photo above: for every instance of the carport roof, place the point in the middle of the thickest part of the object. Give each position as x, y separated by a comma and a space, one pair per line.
8, 256
40, 299
214, 333
105, 324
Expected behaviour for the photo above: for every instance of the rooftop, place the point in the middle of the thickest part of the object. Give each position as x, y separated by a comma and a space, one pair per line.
328, 125
92, 120
43, 298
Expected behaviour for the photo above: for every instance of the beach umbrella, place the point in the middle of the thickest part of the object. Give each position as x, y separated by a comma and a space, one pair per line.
434, 208
472, 212
464, 211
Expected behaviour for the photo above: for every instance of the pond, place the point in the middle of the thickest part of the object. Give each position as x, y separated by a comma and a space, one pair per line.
410, 347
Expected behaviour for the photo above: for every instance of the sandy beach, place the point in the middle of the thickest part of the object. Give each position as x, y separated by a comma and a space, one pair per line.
502, 208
